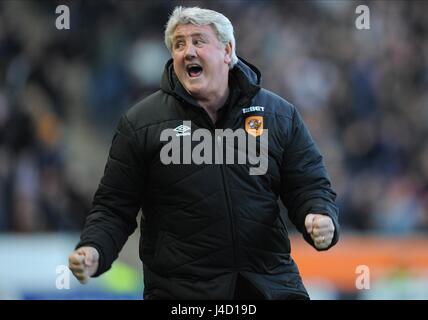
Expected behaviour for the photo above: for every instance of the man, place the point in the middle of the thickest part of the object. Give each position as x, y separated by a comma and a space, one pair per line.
210, 231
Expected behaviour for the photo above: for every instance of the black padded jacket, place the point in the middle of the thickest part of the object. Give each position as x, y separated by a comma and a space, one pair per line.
203, 224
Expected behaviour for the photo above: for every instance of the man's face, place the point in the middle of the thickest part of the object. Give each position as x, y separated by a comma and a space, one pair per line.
200, 60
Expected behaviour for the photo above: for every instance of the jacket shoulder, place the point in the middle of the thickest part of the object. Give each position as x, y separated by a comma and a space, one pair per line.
275, 104
154, 109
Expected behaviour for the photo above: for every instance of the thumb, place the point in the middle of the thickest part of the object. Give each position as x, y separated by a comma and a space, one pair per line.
88, 259
86, 256
309, 221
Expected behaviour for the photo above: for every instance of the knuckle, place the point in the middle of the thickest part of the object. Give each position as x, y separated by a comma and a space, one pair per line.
80, 276
77, 270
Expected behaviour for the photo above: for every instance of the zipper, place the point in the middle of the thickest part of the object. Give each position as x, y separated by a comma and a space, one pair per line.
232, 219
229, 207
234, 230
218, 140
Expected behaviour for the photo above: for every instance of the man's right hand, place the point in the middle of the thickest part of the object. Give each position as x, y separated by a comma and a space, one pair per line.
83, 263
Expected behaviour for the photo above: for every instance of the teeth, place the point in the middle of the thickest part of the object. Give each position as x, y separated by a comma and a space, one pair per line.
193, 65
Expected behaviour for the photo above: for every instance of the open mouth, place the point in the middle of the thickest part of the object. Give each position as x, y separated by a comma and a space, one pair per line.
194, 70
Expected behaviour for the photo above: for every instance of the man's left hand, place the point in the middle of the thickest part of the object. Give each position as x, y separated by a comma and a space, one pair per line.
321, 229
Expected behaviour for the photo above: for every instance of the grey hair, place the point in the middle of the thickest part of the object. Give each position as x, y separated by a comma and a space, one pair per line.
197, 16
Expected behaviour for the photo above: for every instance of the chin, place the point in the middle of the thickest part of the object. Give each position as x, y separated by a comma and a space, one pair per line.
195, 90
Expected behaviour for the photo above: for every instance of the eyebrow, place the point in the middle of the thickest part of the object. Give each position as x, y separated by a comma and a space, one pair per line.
197, 34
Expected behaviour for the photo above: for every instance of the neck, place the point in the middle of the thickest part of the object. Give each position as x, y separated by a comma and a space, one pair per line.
214, 103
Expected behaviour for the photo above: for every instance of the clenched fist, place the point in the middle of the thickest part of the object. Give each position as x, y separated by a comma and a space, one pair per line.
83, 263
321, 229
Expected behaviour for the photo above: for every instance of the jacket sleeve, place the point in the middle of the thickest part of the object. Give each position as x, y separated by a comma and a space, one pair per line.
305, 184
117, 201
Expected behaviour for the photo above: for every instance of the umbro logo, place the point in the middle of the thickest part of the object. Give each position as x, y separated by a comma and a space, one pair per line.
182, 130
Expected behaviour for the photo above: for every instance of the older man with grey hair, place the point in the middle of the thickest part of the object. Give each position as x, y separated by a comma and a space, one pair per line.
209, 231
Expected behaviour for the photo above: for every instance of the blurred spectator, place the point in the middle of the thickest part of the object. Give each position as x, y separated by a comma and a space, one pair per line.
364, 94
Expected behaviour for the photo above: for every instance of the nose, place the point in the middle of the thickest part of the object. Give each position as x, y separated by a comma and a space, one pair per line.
190, 51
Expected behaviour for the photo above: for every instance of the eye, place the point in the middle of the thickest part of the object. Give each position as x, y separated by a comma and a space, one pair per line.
179, 45
198, 42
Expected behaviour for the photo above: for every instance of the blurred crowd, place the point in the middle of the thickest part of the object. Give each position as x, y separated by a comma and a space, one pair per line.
363, 93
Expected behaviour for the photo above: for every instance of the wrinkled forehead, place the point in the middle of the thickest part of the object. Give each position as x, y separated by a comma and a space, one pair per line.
189, 29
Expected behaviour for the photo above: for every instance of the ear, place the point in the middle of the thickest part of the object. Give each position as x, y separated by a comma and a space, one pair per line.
228, 53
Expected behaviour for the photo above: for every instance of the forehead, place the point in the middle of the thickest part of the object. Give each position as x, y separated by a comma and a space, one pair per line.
183, 30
